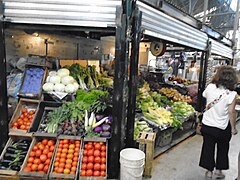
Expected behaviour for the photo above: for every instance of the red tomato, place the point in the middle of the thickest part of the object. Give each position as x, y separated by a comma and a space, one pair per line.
85, 146
103, 148
89, 165
34, 167
103, 160
97, 167
83, 173
29, 165
103, 167
84, 159
97, 146
38, 153
90, 152
90, 146
103, 154
45, 141
40, 167
85, 152
103, 173
96, 153
51, 143
37, 161
84, 166
35, 148
45, 169
65, 141
49, 155
97, 160
30, 160
90, 159
52, 148
43, 157
89, 172
41, 147
45, 151
27, 169
47, 162
32, 154
96, 173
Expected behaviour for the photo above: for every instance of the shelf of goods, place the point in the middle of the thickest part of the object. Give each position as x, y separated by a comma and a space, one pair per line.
166, 112
61, 139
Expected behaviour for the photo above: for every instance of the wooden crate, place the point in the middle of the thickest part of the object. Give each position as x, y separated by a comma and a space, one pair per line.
58, 176
94, 139
36, 175
146, 143
8, 173
29, 103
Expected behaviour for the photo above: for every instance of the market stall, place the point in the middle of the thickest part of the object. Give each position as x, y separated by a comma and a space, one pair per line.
70, 123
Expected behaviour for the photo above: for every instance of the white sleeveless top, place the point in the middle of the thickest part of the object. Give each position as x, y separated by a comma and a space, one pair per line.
217, 116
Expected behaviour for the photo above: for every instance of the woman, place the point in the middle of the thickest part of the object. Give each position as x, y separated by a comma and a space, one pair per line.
219, 121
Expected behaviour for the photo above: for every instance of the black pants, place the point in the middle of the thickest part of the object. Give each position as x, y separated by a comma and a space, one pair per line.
211, 137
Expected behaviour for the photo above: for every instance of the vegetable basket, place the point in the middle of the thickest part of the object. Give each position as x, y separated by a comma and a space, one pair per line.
94, 159
38, 161
15, 145
33, 78
67, 157
19, 116
40, 123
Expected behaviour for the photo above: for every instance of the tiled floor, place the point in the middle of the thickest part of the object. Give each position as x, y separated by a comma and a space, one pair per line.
181, 162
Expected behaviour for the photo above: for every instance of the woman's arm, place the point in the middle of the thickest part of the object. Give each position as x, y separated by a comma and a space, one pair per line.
232, 116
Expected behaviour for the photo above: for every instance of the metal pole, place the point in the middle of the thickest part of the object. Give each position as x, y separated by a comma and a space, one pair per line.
3, 87
236, 22
205, 8
117, 142
190, 7
133, 77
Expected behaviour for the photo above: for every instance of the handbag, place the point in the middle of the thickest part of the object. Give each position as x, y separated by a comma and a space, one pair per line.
209, 106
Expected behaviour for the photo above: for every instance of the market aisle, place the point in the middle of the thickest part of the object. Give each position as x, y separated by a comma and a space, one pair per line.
181, 163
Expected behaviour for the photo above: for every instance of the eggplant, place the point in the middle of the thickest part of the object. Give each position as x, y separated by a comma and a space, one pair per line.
11, 149
5, 162
8, 156
24, 141
3, 167
105, 134
106, 127
22, 153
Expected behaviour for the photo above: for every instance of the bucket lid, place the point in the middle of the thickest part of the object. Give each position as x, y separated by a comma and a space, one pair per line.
132, 154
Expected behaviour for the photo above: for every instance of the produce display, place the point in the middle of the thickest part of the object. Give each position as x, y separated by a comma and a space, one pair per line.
140, 126
181, 110
175, 95
60, 81
40, 157
32, 81
24, 121
94, 159
44, 122
14, 156
67, 156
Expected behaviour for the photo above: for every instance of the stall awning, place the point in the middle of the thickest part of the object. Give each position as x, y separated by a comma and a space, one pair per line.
221, 49
157, 24
89, 13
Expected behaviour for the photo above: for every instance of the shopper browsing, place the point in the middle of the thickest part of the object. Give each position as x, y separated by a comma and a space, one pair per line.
219, 121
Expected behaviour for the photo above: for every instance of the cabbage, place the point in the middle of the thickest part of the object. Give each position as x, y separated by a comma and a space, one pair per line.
70, 88
52, 73
76, 85
55, 79
67, 80
48, 87
63, 72
59, 87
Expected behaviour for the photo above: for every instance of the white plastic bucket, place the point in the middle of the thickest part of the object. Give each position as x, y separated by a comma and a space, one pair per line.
132, 164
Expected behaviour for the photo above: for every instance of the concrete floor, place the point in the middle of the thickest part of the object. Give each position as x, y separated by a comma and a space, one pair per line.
181, 162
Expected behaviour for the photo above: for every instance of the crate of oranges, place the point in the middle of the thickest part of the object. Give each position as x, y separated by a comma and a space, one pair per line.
94, 160
37, 163
23, 116
66, 159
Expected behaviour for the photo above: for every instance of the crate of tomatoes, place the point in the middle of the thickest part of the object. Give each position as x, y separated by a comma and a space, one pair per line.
66, 159
13, 155
23, 116
38, 161
94, 160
